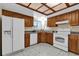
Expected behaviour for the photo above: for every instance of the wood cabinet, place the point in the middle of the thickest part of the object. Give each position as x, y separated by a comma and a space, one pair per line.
49, 38
72, 16
39, 37
51, 22
45, 37
74, 20
73, 43
42, 37
29, 21
61, 17
68, 16
27, 39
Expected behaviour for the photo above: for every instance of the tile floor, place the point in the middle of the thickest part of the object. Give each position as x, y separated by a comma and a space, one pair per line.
43, 49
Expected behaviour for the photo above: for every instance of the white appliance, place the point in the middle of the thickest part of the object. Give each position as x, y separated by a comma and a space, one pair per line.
12, 34
33, 38
63, 22
61, 37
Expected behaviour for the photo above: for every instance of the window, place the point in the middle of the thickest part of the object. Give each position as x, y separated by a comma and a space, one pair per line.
38, 24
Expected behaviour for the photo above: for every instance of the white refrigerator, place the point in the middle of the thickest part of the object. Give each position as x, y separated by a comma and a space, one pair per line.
12, 34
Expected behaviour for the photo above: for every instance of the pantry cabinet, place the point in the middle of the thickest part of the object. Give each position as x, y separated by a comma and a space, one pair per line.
73, 43
27, 39
51, 22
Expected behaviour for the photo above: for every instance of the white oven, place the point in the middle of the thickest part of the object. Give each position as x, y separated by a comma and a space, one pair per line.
61, 40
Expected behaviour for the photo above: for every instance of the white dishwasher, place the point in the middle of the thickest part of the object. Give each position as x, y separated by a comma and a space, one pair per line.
33, 38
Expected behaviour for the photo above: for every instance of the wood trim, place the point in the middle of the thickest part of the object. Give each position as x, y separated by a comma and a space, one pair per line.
52, 7
56, 5
62, 9
29, 4
67, 4
46, 10
30, 8
48, 7
13, 14
39, 7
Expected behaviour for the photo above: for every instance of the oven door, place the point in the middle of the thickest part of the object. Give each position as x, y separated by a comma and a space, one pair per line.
61, 39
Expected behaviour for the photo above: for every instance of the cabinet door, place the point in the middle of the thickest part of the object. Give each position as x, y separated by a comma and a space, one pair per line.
51, 22
28, 22
43, 37
39, 37
27, 39
74, 21
49, 38
73, 43
68, 16
77, 18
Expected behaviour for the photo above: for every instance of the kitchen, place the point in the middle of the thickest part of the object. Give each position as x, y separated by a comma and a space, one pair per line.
37, 24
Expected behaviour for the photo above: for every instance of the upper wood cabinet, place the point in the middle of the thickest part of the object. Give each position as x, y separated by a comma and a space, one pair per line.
51, 22
73, 43
74, 18
29, 21
61, 17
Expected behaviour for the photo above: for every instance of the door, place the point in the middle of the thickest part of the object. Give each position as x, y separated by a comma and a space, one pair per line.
18, 34
6, 35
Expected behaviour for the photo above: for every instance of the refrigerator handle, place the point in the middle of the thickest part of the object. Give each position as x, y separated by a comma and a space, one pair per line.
8, 32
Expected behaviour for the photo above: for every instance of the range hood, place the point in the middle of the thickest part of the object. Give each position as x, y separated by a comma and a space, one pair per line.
62, 22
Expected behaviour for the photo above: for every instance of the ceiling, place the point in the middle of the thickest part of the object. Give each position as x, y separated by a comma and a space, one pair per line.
47, 8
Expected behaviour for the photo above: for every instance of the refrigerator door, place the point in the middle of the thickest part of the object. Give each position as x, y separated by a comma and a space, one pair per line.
7, 23
18, 34
6, 35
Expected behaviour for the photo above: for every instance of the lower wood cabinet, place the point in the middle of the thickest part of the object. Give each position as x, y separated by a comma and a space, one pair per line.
49, 38
42, 37
45, 37
27, 39
73, 43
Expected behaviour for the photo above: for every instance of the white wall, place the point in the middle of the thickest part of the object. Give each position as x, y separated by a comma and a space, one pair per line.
65, 11
16, 8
